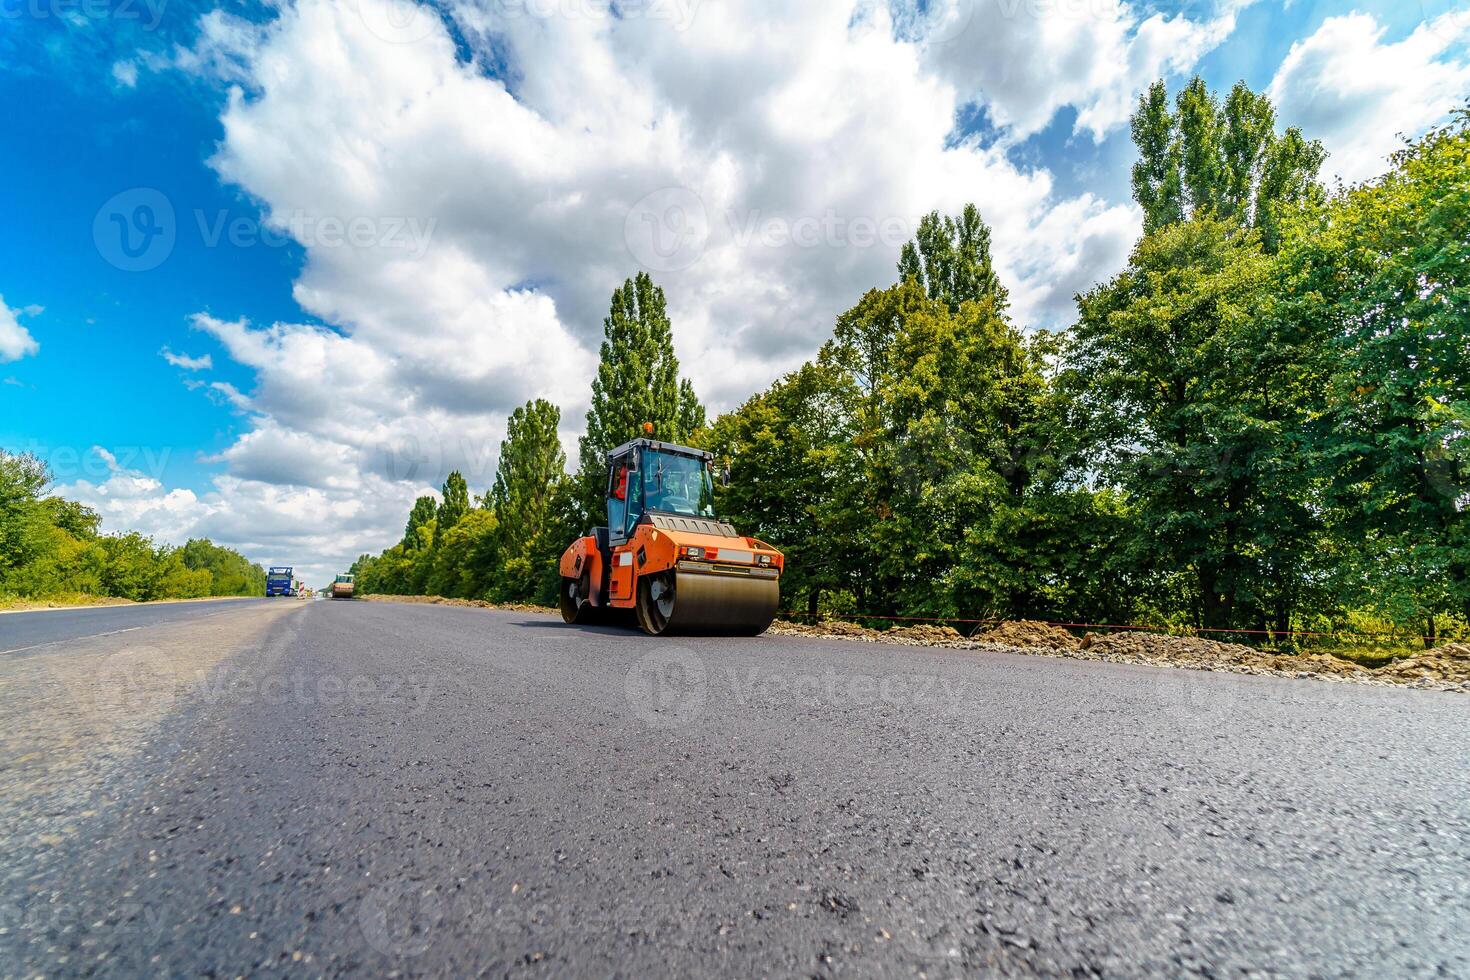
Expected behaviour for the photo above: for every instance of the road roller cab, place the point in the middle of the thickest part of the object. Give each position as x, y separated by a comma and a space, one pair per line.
664, 558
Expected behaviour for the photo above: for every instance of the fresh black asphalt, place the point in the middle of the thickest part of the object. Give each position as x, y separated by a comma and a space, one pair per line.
386, 789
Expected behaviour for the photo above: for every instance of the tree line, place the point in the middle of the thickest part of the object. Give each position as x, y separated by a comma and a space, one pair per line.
52, 547
1259, 424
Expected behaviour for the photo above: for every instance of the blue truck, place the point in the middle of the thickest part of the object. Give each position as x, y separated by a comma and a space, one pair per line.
278, 580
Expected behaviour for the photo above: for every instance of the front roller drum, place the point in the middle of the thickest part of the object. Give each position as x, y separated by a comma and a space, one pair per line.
691, 602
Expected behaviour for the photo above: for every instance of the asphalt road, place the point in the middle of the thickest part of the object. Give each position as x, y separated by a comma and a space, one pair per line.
23, 632
396, 789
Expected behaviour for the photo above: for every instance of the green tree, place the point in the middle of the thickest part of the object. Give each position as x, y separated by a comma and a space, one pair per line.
1198, 405
792, 470
230, 572
423, 513
454, 503
454, 573
531, 471
637, 382
1379, 282
950, 259
1203, 158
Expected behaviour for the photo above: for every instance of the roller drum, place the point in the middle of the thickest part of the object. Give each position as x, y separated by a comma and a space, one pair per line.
709, 602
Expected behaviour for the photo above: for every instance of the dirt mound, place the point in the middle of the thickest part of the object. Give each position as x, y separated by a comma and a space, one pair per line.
918, 634
825, 627
1029, 633
926, 634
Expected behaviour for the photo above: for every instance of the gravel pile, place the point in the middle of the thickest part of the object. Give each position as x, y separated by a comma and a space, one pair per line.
1446, 668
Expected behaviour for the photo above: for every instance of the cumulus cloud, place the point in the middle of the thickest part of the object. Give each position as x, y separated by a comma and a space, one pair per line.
15, 340
201, 363
1347, 87
1026, 59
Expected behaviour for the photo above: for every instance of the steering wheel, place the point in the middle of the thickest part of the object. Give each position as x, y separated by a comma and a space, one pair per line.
675, 503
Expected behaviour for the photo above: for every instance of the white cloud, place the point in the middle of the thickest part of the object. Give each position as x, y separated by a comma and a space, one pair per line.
125, 73
15, 340
1347, 87
201, 363
1026, 59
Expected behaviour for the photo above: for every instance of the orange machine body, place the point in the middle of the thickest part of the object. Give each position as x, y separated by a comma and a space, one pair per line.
652, 550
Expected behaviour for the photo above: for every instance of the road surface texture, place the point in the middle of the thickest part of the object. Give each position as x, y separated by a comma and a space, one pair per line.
24, 631
331, 788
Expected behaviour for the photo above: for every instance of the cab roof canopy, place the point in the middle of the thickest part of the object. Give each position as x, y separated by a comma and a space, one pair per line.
663, 447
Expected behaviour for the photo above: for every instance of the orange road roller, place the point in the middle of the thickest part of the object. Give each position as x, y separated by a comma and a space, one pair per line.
664, 559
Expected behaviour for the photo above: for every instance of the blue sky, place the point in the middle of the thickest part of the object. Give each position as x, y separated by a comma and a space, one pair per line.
526, 193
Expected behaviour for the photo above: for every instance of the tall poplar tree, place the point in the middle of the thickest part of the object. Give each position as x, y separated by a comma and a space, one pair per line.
950, 258
455, 503
637, 381
1204, 158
